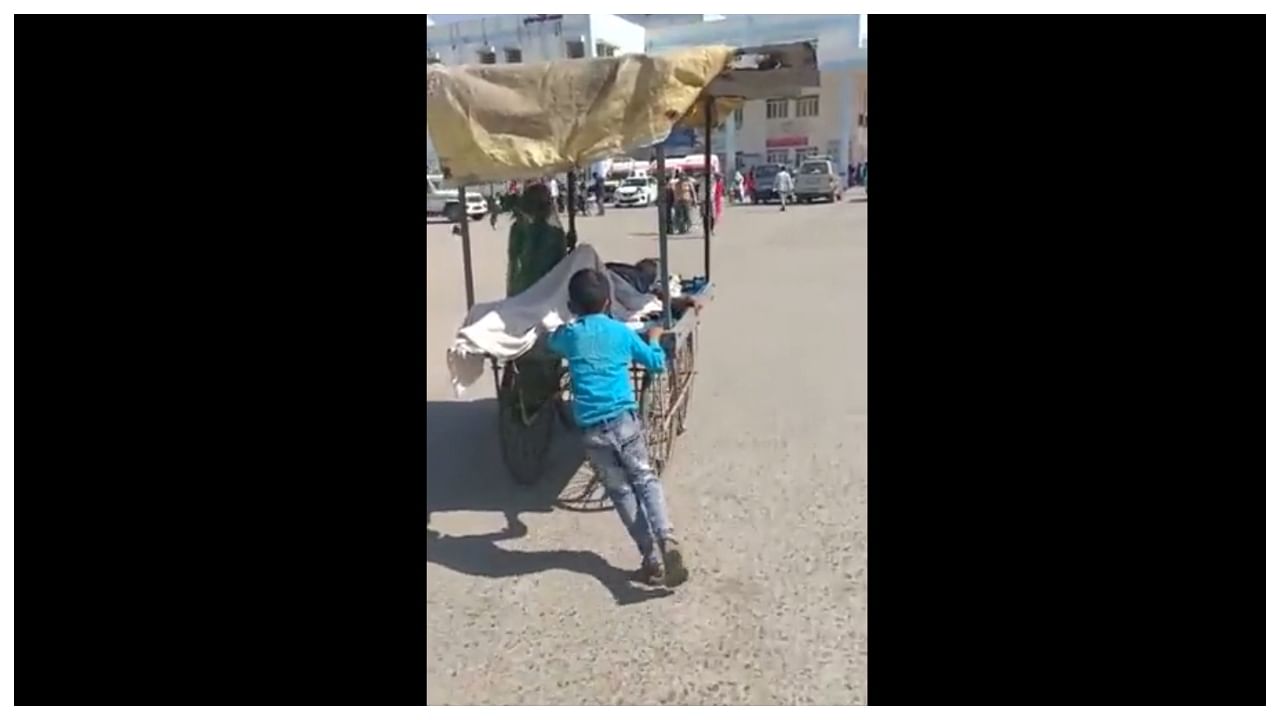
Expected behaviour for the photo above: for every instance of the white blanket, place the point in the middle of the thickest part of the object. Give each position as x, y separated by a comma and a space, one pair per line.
509, 328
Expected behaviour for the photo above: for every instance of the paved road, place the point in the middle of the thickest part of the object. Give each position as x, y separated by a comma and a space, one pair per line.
527, 602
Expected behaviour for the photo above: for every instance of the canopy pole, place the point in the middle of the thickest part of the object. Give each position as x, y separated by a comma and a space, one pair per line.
664, 275
708, 186
466, 245
573, 209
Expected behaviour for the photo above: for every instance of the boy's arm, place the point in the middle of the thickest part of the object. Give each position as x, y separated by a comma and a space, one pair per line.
555, 341
650, 354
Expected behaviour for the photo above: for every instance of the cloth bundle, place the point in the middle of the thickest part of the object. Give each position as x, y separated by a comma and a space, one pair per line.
507, 329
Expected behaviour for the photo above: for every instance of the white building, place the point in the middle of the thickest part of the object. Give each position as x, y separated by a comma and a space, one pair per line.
830, 120
509, 39
505, 39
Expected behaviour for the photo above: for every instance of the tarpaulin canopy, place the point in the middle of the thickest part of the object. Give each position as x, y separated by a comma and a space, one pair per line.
491, 123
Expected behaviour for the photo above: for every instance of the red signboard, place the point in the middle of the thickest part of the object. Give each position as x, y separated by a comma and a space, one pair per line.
787, 141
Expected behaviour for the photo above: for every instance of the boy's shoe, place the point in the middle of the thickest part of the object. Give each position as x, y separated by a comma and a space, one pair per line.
649, 574
676, 572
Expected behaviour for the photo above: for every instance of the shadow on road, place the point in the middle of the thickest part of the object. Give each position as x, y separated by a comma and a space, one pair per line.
465, 471
480, 555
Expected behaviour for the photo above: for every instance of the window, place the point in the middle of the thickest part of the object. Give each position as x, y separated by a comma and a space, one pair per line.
737, 119
779, 157
514, 55
776, 108
604, 49
575, 49
807, 106
804, 152
487, 57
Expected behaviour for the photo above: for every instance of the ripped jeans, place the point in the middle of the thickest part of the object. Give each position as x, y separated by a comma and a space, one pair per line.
617, 452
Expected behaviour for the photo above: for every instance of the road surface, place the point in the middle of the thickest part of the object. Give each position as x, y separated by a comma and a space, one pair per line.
527, 602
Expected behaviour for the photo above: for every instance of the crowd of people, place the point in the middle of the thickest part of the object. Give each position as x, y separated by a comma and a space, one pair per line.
684, 194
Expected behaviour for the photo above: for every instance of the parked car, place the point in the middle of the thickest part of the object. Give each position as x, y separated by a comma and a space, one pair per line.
817, 177
765, 175
637, 192
443, 202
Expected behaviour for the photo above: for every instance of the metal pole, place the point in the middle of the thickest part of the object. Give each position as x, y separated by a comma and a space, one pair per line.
573, 209
709, 107
665, 270
466, 245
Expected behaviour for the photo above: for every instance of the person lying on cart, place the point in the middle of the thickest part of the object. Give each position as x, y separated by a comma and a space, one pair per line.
600, 350
643, 276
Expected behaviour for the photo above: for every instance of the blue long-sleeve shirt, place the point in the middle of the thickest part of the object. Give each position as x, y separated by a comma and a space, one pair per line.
600, 351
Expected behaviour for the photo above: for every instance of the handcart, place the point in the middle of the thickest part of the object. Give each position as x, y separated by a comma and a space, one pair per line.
494, 124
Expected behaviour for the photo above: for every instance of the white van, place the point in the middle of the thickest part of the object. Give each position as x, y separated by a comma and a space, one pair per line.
443, 202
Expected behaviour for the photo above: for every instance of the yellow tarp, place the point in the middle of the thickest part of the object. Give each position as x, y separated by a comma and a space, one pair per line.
491, 123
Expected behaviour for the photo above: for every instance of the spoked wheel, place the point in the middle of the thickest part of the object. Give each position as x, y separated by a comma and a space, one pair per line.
524, 428
585, 492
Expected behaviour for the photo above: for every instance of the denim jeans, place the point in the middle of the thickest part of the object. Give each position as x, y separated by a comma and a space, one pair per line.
617, 451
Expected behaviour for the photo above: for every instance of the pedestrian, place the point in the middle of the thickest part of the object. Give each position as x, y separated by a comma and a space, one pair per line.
853, 175
686, 202
493, 211
554, 188
717, 193
782, 183
670, 193
598, 190
600, 350
751, 186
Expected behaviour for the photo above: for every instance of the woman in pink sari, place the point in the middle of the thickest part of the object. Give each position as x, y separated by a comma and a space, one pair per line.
717, 192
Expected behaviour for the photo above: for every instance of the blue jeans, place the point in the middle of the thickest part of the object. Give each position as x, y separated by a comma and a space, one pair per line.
617, 451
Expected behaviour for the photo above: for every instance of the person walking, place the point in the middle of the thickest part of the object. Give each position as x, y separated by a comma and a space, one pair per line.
783, 184
671, 204
686, 202
717, 195
598, 190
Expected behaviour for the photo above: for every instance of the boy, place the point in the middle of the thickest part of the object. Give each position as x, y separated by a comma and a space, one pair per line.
600, 351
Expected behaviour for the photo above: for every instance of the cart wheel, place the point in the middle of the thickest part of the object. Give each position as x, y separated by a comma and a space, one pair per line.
585, 492
525, 441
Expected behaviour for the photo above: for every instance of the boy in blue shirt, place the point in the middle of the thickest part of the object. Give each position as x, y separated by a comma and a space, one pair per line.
600, 351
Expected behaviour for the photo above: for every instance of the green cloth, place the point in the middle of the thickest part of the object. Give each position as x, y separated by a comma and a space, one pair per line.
533, 248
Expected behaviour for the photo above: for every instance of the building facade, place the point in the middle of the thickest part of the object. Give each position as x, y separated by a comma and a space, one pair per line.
509, 39
828, 120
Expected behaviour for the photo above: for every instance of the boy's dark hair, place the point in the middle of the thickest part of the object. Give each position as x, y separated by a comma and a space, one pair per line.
588, 292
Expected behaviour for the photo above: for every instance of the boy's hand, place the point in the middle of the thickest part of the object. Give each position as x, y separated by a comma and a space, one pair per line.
654, 333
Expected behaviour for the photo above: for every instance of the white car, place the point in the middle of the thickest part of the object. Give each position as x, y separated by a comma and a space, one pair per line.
637, 192
442, 202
